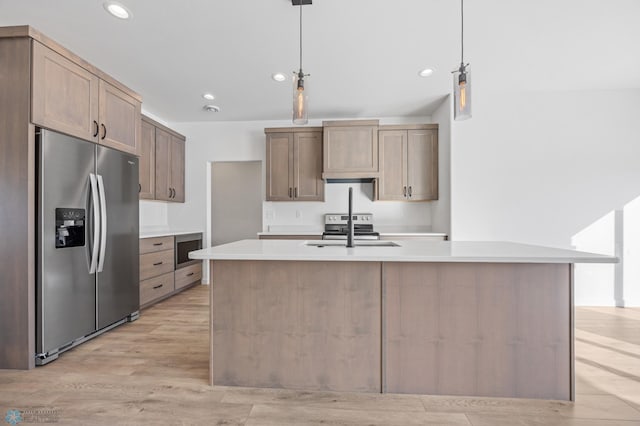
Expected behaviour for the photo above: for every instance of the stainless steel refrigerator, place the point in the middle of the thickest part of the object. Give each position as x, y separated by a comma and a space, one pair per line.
87, 242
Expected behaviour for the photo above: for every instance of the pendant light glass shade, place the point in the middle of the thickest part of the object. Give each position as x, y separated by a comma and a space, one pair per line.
462, 93
462, 80
300, 86
300, 97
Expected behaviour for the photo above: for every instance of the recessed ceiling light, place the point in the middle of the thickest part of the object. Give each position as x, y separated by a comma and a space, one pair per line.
279, 77
426, 72
117, 9
208, 96
211, 108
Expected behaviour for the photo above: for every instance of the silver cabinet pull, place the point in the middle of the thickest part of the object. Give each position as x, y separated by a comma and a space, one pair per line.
409, 190
404, 191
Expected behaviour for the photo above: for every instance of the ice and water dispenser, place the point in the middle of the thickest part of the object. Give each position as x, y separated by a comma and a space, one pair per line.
70, 225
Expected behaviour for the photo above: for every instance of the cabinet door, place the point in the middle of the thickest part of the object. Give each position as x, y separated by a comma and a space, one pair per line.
177, 169
64, 95
307, 167
393, 165
119, 119
147, 164
350, 149
280, 167
422, 165
163, 165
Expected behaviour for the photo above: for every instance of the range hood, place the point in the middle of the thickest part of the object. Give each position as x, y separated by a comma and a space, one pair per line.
350, 151
350, 180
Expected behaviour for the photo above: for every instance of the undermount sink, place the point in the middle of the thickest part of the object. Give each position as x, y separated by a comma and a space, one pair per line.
360, 243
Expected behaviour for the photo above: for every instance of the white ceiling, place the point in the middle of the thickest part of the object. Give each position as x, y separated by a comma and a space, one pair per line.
363, 55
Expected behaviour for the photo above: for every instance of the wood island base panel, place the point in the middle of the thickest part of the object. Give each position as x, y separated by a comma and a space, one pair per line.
438, 328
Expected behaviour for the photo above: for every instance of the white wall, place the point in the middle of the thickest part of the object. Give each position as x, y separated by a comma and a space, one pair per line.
441, 209
311, 214
547, 168
153, 214
631, 252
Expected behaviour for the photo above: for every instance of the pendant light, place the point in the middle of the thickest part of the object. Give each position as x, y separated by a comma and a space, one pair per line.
300, 83
462, 80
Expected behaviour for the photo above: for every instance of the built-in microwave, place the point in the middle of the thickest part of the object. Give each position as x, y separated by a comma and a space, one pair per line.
186, 243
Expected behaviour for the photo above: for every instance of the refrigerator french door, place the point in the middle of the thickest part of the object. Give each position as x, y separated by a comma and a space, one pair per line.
87, 242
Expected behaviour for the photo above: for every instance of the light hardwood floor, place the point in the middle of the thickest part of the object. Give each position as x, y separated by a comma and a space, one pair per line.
155, 370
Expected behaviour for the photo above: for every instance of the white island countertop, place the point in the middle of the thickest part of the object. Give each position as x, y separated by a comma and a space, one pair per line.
407, 251
152, 233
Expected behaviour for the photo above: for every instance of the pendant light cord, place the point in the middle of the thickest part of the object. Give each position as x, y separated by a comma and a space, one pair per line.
300, 35
461, 31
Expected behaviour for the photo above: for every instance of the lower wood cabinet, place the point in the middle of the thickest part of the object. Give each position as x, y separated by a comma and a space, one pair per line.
156, 287
158, 277
154, 264
188, 275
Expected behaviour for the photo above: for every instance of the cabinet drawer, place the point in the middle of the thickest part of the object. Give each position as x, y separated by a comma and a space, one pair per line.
150, 245
188, 275
156, 287
154, 264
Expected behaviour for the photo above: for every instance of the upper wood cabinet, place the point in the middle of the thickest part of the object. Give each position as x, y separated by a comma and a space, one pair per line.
279, 166
164, 164
307, 166
408, 163
350, 149
294, 164
176, 169
71, 99
65, 95
147, 163
119, 119
392, 184
169, 167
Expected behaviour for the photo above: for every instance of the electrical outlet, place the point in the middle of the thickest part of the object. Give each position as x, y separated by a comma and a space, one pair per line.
298, 214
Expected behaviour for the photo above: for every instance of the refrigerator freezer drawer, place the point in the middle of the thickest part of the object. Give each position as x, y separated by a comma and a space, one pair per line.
152, 245
154, 264
154, 288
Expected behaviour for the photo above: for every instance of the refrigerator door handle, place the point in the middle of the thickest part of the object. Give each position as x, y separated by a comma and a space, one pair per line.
96, 223
103, 223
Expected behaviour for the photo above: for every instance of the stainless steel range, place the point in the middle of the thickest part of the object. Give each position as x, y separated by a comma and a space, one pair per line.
336, 226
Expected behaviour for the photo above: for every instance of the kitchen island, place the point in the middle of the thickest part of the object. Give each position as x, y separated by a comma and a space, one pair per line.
440, 318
